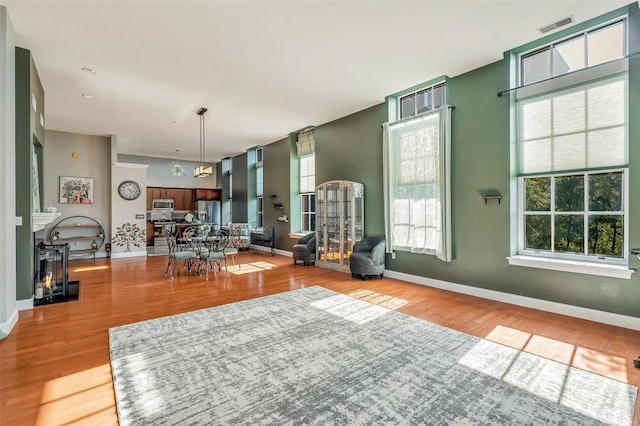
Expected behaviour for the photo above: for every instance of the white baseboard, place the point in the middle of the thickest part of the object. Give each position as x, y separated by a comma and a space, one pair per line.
23, 305
129, 254
6, 327
268, 249
618, 320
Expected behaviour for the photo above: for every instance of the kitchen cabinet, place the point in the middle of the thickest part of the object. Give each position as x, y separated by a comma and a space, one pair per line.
205, 194
178, 199
167, 193
188, 199
149, 233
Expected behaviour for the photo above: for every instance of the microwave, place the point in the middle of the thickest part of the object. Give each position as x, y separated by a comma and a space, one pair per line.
162, 205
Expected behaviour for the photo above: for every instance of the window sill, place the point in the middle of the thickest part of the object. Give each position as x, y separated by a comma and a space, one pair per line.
589, 268
297, 235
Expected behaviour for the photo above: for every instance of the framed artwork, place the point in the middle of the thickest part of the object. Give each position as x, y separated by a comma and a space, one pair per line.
76, 190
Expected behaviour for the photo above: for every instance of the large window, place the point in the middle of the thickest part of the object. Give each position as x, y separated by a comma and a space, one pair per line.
573, 149
582, 50
307, 192
259, 188
417, 184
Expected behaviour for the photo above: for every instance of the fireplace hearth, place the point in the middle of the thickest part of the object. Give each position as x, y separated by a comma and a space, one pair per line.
51, 278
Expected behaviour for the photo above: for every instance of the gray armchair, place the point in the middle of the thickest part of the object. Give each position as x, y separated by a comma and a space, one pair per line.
367, 257
305, 249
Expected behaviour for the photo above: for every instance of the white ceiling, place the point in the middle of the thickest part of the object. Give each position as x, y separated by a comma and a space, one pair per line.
263, 68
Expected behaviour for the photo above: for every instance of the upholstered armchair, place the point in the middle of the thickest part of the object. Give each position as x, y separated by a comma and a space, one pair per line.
367, 257
305, 249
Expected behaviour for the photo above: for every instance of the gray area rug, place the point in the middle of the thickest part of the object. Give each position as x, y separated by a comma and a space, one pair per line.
313, 356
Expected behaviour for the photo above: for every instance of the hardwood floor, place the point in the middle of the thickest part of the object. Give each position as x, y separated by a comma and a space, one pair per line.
54, 366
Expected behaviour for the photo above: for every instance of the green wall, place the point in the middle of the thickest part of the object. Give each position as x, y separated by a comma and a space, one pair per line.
277, 166
351, 148
240, 183
29, 133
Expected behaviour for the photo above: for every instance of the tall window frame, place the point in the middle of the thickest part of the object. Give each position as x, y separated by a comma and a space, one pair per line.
259, 188
417, 183
574, 134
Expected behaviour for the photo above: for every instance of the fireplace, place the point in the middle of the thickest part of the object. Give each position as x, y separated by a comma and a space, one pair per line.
51, 278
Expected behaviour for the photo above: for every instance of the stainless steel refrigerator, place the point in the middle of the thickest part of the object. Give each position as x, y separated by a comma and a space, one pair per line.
209, 212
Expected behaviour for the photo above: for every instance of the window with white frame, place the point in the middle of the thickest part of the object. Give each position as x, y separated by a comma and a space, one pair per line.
260, 212
582, 50
572, 142
421, 101
307, 192
259, 187
417, 183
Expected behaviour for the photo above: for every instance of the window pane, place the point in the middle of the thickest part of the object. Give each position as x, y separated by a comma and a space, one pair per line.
535, 119
313, 223
569, 234
605, 192
408, 106
606, 44
568, 56
570, 193
423, 101
569, 113
536, 66
606, 235
538, 194
438, 94
538, 232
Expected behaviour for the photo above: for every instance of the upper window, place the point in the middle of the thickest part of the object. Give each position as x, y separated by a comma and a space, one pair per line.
586, 49
422, 101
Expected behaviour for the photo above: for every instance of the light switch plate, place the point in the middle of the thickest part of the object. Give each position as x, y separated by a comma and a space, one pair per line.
18, 220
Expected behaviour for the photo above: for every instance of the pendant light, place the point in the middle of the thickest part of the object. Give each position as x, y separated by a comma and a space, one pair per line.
203, 170
177, 169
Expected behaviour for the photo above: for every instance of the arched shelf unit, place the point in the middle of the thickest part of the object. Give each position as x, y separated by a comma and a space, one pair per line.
84, 235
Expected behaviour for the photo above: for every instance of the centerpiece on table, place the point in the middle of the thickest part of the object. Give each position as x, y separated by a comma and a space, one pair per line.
205, 228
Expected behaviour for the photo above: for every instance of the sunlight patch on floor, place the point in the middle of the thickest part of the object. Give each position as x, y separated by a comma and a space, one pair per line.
359, 306
545, 376
611, 366
90, 268
247, 268
75, 397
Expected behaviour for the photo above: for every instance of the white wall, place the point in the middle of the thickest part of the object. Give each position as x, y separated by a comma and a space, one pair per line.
94, 153
125, 211
159, 172
8, 310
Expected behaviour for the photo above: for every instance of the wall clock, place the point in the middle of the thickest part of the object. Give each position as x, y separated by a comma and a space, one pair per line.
129, 190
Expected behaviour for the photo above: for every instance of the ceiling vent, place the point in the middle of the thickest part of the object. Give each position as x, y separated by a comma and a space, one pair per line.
561, 23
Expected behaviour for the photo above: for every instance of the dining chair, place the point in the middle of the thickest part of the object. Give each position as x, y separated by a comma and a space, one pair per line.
214, 253
178, 255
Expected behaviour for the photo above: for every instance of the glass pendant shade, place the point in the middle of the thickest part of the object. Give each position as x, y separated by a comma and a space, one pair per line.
176, 167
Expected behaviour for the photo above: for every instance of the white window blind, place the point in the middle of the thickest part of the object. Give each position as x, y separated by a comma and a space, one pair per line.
306, 143
417, 184
580, 128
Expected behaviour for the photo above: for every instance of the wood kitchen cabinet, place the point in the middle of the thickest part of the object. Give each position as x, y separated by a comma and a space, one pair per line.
167, 193
205, 194
178, 199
